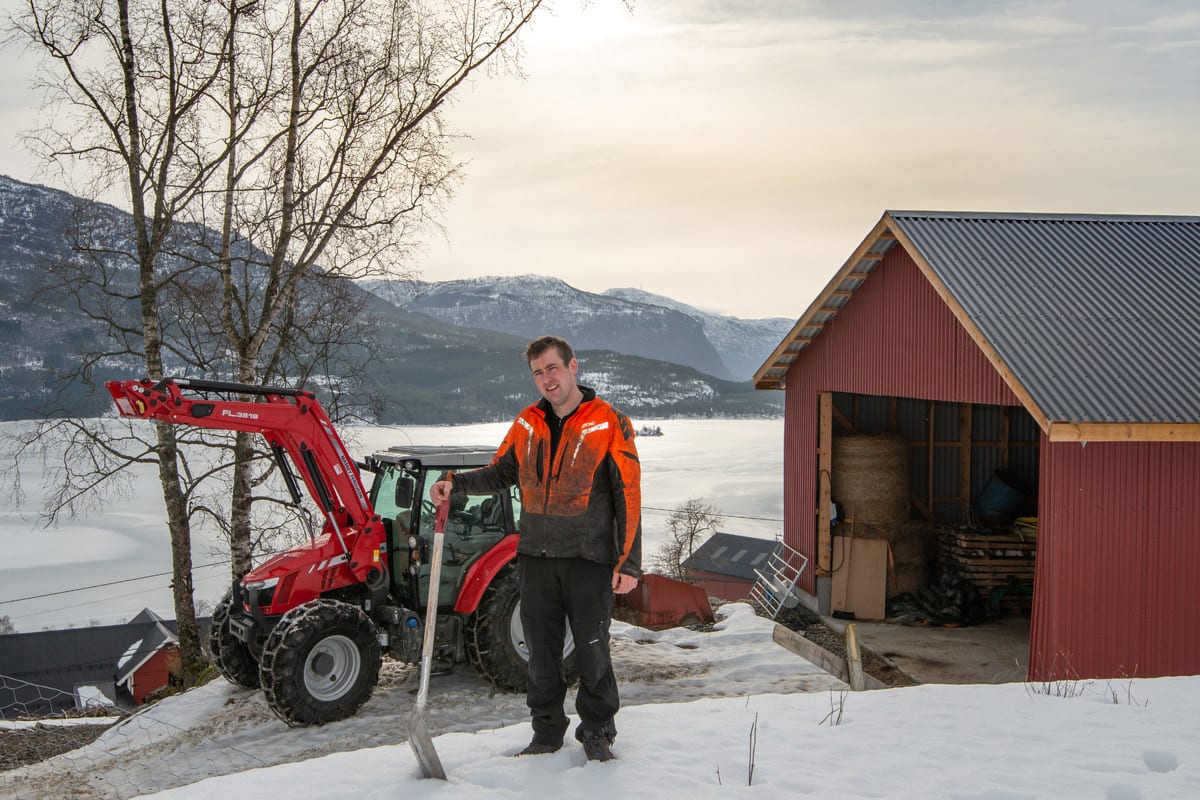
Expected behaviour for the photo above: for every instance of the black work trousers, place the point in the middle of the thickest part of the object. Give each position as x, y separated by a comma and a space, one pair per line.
556, 592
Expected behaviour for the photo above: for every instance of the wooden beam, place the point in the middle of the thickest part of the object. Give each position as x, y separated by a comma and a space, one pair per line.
1123, 432
813, 653
824, 482
1005, 426
840, 419
858, 276
924, 510
841, 293
872, 256
829, 310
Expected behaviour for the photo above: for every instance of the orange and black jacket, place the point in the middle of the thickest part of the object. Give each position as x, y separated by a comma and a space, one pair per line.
587, 503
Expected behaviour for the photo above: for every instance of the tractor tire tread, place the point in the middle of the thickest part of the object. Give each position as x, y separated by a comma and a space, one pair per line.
286, 650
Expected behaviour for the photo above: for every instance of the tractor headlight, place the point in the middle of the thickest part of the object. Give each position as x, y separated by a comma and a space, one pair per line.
262, 593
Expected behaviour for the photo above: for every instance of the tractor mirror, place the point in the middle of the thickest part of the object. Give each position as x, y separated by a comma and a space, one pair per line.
404, 491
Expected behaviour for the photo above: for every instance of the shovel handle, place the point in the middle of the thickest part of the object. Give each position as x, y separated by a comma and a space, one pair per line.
440, 517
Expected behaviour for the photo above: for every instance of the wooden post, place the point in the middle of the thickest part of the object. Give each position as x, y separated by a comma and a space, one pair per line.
1005, 422
854, 660
824, 481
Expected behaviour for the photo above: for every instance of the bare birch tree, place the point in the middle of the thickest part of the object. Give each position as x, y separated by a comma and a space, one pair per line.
307, 135
687, 528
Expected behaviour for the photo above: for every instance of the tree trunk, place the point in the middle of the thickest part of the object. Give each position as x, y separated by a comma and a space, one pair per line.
240, 543
192, 661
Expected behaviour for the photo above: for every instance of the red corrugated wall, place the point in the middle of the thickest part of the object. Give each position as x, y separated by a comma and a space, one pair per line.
1118, 561
895, 337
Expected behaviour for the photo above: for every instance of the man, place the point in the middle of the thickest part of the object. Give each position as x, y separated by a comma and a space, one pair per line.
573, 456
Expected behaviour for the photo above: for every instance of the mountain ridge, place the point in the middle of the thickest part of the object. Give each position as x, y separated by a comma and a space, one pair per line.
422, 368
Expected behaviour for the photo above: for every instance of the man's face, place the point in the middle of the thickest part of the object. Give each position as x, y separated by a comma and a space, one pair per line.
554, 380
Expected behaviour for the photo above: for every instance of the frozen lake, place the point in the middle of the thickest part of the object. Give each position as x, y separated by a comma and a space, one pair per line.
735, 465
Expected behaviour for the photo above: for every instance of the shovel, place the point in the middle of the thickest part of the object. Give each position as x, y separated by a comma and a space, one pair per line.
418, 732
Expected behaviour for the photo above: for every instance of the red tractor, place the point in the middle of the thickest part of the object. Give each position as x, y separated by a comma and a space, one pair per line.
309, 625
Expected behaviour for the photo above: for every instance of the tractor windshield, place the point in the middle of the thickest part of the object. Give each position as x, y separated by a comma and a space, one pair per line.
476, 524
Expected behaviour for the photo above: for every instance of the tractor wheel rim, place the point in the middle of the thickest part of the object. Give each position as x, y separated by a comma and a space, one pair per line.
516, 633
331, 668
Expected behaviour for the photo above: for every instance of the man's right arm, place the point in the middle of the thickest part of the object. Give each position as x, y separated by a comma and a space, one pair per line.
502, 473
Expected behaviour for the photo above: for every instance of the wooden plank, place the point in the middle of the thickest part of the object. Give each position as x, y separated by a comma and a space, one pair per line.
813, 653
824, 482
860, 577
1123, 432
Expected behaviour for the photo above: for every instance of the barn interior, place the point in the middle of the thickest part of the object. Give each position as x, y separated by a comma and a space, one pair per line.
932, 530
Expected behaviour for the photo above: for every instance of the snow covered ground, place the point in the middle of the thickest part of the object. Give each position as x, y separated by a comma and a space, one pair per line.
718, 714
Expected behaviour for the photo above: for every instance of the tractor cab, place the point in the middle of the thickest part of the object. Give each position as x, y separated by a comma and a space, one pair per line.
477, 523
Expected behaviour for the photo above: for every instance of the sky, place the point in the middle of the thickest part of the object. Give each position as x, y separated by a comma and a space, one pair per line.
731, 154
699, 710
47, 574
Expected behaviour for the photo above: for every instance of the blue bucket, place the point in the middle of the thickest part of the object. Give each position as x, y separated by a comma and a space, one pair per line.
999, 500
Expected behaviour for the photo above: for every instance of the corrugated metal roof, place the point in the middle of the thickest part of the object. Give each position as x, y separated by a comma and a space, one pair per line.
1093, 320
731, 554
1098, 317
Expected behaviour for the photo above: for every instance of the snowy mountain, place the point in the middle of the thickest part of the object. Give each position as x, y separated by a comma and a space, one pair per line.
532, 305
743, 344
450, 353
628, 321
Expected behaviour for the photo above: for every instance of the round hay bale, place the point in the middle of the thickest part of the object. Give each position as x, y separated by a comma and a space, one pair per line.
870, 478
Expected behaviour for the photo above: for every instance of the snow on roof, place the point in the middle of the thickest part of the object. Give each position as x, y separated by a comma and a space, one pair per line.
128, 654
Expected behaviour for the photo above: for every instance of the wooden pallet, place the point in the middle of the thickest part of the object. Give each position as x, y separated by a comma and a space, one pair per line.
992, 560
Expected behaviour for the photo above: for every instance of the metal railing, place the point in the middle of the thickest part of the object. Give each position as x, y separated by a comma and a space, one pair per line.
776, 584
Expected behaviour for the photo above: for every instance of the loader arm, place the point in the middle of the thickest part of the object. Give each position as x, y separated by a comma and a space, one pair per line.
288, 419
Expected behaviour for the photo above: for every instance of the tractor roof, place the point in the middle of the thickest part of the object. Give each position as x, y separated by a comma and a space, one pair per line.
437, 455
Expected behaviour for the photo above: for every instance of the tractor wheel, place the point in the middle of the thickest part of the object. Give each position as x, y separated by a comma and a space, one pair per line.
496, 638
233, 657
320, 663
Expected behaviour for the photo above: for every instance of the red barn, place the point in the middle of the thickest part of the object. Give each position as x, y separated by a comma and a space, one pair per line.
1062, 349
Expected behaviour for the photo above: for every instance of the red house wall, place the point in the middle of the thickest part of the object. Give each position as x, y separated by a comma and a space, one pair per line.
154, 674
895, 337
722, 586
1117, 591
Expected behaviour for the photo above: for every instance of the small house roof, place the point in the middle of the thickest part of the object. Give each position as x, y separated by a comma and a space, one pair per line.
65, 659
1092, 320
731, 554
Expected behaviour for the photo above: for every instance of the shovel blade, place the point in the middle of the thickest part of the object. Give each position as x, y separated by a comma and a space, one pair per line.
422, 747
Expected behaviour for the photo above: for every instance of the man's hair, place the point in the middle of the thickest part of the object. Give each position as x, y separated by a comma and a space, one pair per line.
539, 346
